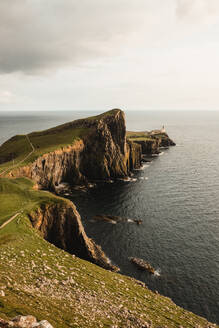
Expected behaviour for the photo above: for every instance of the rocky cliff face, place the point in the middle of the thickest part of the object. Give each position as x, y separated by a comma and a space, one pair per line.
165, 141
153, 144
134, 154
105, 149
102, 153
150, 147
51, 169
61, 225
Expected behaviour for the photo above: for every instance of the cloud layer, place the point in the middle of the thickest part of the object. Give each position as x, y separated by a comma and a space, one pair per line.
39, 35
144, 53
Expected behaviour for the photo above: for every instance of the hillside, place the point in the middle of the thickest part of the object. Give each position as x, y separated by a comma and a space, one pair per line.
42, 239
39, 279
56, 218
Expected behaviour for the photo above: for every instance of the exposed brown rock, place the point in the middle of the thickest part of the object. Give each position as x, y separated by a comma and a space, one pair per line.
61, 225
150, 146
102, 153
142, 265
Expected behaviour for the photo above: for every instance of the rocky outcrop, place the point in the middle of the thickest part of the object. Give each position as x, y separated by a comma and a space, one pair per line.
165, 141
61, 225
27, 321
55, 167
150, 146
114, 219
104, 155
101, 153
134, 152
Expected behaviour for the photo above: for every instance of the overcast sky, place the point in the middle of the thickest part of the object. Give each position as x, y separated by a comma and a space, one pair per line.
101, 54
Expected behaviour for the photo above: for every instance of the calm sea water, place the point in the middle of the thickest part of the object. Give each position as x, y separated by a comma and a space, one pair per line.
176, 196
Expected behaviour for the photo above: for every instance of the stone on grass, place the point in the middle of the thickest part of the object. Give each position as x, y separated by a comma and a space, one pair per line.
43, 324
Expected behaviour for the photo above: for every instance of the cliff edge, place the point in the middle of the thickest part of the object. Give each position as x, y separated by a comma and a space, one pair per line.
94, 148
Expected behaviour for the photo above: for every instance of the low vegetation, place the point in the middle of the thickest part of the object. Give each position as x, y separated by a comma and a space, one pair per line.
39, 279
18, 195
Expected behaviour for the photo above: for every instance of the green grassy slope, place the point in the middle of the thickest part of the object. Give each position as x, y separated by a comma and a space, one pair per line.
39, 279
143, 135
18, 196
16, 149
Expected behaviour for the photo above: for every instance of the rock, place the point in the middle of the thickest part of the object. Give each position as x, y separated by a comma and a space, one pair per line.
99, 154
28, 321
114, 219
3, 323
24, 321
150, 146
61, 225
142, 265
42, 324
2, 293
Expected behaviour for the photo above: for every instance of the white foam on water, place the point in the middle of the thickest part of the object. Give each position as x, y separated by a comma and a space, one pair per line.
129, 179
157, 273
112, 222
143, 167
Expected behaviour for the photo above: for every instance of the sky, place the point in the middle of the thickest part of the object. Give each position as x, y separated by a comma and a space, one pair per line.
103, 54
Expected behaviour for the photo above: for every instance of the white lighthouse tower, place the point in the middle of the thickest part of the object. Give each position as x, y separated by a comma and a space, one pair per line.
163, 129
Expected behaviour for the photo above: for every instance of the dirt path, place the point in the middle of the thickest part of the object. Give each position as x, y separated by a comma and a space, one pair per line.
24, 159
9, 220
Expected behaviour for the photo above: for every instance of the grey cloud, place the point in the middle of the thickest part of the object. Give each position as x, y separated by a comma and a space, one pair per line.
42, 35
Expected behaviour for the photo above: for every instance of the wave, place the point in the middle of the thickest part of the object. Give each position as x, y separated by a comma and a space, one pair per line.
128, 179
157, 273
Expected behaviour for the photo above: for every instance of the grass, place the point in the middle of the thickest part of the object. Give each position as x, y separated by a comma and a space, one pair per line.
139, 136
44, 281
144, 135
13, 151
18, 195
18, 147
40, 279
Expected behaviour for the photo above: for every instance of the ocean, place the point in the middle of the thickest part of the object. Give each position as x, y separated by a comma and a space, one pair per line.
176, 196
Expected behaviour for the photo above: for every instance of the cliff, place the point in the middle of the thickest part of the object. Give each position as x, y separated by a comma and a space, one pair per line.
94, 148
97, 150
151, 142
40, 279
60, 224
54, 217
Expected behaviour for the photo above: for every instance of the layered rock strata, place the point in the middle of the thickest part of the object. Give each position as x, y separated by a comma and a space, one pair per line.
102, 153
61, 225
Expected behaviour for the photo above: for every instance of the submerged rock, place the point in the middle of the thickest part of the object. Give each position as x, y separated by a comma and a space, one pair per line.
114, 219
142, 265
61, 225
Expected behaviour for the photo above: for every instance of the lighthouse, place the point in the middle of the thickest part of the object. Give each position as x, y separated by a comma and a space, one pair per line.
163, 129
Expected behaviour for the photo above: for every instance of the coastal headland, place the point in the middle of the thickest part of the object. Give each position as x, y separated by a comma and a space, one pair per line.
45, 253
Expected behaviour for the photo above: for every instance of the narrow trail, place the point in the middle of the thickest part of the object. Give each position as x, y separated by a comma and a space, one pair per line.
24, 159
9, 220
